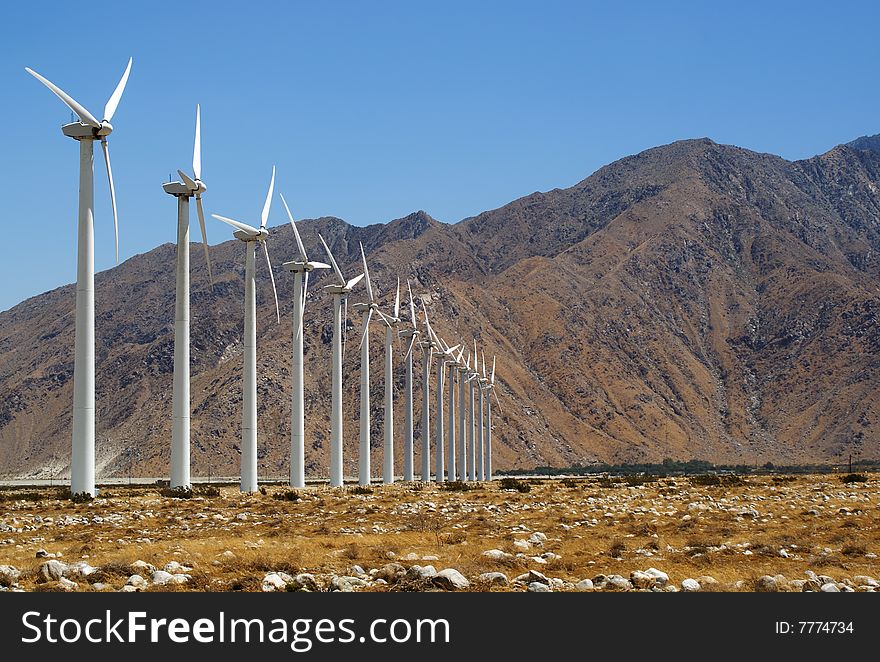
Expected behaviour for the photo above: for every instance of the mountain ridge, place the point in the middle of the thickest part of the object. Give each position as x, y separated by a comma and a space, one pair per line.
692, 300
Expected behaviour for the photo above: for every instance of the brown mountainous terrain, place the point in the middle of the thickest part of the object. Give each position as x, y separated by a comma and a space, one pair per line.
693, 301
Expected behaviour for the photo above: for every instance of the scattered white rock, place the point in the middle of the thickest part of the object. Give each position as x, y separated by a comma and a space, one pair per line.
136, 581
690, 585
829, 587
273, 582
539, 587
584, 585
497, 555
418, 572
51, 571
67, 585
451, 579
495, 578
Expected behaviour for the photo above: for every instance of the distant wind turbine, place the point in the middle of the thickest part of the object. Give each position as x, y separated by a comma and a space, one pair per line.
180, 398
252, 236
413, 334
339, 291
300, 269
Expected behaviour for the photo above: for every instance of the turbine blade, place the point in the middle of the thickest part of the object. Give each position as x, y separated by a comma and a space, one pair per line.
354, 281
305, 293
112, 193
197, 145
113, 101
366, 327
412, 343
385, 318
332, 261
318, 265
427, 321
367, 274
412, 306
500, 408
187, 180
69, 101
484, 364
299, 241
397, 300
244, 227
492, 379
272, 278
264, 216
204, 238
344, 324
451, 350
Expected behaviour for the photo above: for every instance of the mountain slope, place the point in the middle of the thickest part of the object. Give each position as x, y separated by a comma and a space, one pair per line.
694, 300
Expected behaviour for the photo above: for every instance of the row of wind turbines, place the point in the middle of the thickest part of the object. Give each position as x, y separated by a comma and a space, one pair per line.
470, 460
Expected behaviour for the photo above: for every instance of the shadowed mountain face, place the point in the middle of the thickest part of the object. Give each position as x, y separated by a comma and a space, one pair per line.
694, 300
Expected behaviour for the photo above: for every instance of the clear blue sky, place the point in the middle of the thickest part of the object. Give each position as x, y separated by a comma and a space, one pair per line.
372, 110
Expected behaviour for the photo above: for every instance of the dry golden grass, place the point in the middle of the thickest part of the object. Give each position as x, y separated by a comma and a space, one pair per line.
327, 531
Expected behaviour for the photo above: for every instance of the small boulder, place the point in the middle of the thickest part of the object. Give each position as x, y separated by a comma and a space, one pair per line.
618, 583
341, 584
303, 582
496, 555
766, 584
391, 572
690, 585
160, 577
584, 585
641, 579
174, 568
273, 582
495, 578
539, 587
8, 575
418, 572
136, 581
51, 571
829, 588
66, 584
660, 577
451, 580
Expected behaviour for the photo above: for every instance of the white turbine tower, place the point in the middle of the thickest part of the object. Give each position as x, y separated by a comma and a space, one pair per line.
481, 438
453, 368
180, 399
413, 334
300, 269
339, 292
86, 131
388, 449
252, 236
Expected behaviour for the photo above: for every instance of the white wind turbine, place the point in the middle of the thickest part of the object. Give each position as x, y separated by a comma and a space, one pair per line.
338, 291
300, 269
86, 131
427, 347
366, 309
388, 449
489, 387
252, 236
180, 398
444, 352
461, 367
474, 454
413, 334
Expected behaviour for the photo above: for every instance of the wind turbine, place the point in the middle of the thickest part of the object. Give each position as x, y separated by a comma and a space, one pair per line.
444, 353
427, 347
86, 131
453, 367
367, 310
413, 334
472, 429
388, 449
338, 291
180, 399
252, 236
489, 387
461, 368
300, 269
480, 440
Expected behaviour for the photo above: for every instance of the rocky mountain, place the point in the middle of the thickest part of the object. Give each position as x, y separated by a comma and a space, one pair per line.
693, 301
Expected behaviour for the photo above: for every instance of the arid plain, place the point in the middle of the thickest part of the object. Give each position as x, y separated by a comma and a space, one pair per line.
601, 533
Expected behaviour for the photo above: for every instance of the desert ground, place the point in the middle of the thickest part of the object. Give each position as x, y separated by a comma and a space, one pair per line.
600, 533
